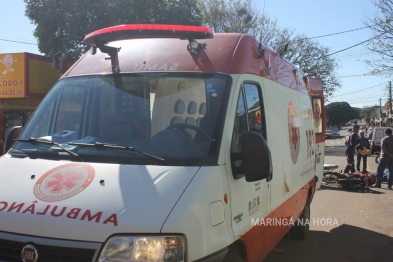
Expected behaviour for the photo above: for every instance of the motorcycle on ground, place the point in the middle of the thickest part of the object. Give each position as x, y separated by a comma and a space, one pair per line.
354, 181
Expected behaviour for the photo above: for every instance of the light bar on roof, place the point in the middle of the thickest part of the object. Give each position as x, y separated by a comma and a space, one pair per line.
133, 31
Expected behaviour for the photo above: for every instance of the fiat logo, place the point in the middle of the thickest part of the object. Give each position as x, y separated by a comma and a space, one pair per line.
29, 253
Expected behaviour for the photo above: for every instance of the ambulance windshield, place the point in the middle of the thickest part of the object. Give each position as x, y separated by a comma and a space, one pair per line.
174, 116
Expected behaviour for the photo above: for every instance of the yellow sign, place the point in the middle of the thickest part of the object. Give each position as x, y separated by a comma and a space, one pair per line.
12, 72
42, 76
19, 104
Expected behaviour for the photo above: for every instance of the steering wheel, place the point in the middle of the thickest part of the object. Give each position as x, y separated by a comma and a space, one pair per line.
195, 128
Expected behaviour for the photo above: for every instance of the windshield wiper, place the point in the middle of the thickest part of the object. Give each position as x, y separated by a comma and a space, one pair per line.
104, 145
48, 142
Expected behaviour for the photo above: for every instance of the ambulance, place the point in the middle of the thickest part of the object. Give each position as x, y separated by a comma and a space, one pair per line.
164, 143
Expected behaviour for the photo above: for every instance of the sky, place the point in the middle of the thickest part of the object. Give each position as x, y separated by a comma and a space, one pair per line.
319, 17
308, 17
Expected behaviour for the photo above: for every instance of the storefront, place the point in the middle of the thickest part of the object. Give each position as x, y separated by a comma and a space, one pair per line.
24, 80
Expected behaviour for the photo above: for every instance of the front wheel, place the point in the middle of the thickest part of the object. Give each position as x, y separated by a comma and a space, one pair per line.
329, 177
377, 159
302, 226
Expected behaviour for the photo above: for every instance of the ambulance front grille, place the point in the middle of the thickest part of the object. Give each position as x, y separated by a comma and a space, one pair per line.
10, 251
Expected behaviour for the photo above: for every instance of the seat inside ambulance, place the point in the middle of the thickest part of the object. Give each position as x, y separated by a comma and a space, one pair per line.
178, 106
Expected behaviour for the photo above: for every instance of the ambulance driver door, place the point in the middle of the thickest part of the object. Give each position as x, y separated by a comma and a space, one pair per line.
249, 200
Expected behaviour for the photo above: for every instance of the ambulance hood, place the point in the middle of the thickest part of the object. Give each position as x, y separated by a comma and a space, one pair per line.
87, 201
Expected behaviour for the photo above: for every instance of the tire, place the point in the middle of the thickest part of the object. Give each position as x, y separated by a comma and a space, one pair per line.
301, 228
377, 159
329, 177
230, 257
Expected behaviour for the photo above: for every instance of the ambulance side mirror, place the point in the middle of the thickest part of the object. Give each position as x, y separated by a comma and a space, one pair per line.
12, 134
257, 161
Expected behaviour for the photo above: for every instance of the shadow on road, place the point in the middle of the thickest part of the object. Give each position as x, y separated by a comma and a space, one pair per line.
337, 187
344, 243
335, 151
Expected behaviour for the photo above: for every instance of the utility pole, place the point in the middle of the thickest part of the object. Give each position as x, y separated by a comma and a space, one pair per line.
390, 102
380, 112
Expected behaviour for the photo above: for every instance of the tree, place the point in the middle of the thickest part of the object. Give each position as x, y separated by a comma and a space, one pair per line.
369, 113
340, 113
381, 44
62, 25
311, 57
228, 16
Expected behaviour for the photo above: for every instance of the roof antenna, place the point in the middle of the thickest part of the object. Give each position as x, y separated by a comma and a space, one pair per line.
285, 49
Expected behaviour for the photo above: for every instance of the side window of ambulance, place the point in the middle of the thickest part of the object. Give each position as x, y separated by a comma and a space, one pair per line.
249, 114
249, 117
240, 124
254, 108
317, 114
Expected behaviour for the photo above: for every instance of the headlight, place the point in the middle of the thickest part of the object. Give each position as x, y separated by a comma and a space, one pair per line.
144, 248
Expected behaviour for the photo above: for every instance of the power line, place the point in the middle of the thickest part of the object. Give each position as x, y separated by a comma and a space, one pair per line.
18, 42
17, 37
347, 31
356, 44
358, 99
357, 96
368, 74
357, 90
337, 33
355, 53
361, 97
17, 46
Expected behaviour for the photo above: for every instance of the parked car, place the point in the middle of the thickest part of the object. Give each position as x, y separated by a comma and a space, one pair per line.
335, 131
378, 134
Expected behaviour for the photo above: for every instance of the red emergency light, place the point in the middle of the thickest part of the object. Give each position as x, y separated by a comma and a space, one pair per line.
122, 32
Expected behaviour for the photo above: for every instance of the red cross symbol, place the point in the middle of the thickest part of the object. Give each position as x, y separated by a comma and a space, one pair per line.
66, 180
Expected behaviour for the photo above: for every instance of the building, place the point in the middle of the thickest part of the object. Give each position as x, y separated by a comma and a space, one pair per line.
24, 80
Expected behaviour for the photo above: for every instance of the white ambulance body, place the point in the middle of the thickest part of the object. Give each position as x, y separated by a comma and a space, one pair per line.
155, 146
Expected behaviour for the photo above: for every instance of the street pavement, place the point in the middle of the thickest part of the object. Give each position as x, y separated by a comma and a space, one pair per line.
361, 227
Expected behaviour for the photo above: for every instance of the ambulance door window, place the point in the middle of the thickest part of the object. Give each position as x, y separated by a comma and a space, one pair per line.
254, 109
317, 113
248, 117
240, 124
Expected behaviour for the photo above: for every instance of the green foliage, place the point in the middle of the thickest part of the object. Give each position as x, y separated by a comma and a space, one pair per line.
241, 16
339, 113
63, 24
369, 113
367, 119
229, 16
381, 25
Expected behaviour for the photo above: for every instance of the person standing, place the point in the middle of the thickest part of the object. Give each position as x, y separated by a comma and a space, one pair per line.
364, 143
386, 159
350, 150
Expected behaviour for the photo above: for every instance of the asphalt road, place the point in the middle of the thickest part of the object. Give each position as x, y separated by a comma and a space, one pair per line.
361, 227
